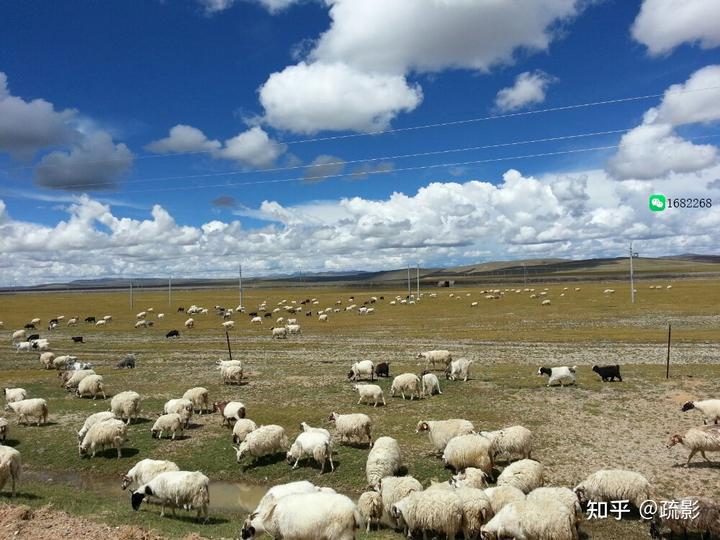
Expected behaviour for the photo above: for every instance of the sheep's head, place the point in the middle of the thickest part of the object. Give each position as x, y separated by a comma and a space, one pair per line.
675, 439
580, 494
126, 481
333, 416
240, 451
422, 426
544, 371
420, 355
82, 450
487, 535
247, 532
139, 496
395, 512
350, 374
219, 406
7, 407
687, 406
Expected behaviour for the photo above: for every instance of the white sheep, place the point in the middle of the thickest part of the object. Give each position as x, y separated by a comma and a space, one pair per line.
264, 441
242, 427
141, 315
182, 406
440, 357
199, 397
311, 443
172, 423
10, 467
142, 324
24, 346
395, 488
435, 510
546, 302
614, 485
531, 519
93, 419
108, 433
176, 488
501, 496
17, 335
306, 427
145, 470
274, 494
103, 322
160, 316
370, 392
190, 323
291, 322
383, 460
476, 509
293, 329
370, 508
561, 494
14, 394
34, 408
441, 431
230, 410
406, 383
126, 405
279, 332
72, 322
280, 320
510, 441
323, 318
525, 474
710, 409
46, 359
231, 374
352, 428
430, 384
307, 516
563, 375
256, 320
364, 368
62, 362
470, 450
470, 477
74, 381
458, 369
93, 385
228, 325
700, 439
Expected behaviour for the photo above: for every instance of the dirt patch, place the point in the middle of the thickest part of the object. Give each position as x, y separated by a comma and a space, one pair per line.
680, 397
22, 522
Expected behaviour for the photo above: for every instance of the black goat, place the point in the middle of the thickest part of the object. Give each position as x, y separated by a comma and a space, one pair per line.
90, 319
181, 309
172, 333
608, 373
78, 339
382, 369
29, 326
32, 336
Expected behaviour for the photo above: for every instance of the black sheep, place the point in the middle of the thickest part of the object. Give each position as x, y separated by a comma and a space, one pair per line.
172, 333
382, 369
78, 339
181, 310
608, 373
127, 362
32, 336
29, 326
90, 319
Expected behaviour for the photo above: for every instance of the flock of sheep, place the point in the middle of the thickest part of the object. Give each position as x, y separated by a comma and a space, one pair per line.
478, 501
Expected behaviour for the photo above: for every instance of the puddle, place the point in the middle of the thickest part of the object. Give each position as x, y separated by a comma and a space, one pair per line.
225, 496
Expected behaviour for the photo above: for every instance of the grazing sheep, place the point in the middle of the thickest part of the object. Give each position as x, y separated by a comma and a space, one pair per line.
279, 332
229, 410
107, 433
440, 511
525, 474
190, 323
18, 335
561, 375
710, 409
430, 384
34, 408
323, 318
383, 460
470, 450
4, 429
395, 488
306, 427
307, 516
24, 346
73, 321
293, 329
441, 431
93, 385
563, 495
371, 392
127, 362
370, 508
231, 374
199, 397
352, 428
142, 324
531, 519
700, 439
126, 405
182, 406
14, 394
103, 322
458, 369
264, 441
614, 485
61, 362
514, 440
46, 359
501, 496
291, 322
228, 325
312, 443
241, 429
470, 477
256, 320
608, 373
93, 419
275, 493
360, 369
176, 488
172, 334
171, 422
439, 357
10, 467
476, 509
406, 383
382, 369
705, 518
608, 291
74, 381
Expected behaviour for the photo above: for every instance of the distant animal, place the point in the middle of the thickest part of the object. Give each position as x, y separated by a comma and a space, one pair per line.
382, 369
29, 326
308, 314
268, 315
252, 314
608, 373
181, 310
51, 321
32, 337
127, 362
90, 319
78, 339
172, 333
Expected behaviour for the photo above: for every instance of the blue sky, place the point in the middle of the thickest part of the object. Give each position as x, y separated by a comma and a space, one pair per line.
95, 168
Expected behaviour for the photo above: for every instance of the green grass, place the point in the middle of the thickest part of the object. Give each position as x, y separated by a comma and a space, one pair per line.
303, 379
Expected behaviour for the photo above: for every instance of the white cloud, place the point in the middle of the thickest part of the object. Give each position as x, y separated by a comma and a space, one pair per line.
529, 88
662, 25
440, 223
689, 103
94, 164
183, 138
28, 126
307, 98
273, 6
355, 78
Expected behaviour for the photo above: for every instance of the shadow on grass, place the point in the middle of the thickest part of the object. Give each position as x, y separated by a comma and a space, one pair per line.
189, 517
265, 460
698, 465
21, 496
10, 442
32, 425
111, 453
138, 421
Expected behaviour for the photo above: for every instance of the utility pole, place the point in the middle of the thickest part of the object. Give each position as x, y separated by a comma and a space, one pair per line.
240, 284
632, 280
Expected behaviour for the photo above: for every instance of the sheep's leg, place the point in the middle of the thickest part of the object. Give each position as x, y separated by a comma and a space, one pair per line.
692, 453
359, 400
296, 463
702, 453
13, 485
384, 404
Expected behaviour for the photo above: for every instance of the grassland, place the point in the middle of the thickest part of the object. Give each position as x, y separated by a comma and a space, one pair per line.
303, 379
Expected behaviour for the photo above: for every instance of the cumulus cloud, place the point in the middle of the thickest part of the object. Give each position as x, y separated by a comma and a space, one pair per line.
307, 98
662, 25
584, 215
28, 126
529, 88
697, 100
96, 163
323, 166
355, 77
183, 138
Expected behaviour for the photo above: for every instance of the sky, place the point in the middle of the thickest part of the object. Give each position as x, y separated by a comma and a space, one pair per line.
183, 137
